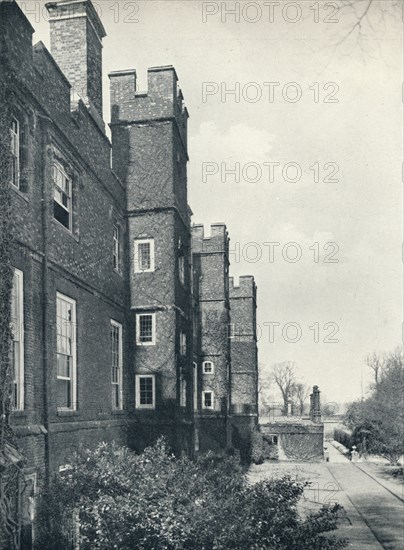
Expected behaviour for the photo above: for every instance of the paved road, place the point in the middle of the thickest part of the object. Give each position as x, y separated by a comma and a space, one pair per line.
381, 511
373, 519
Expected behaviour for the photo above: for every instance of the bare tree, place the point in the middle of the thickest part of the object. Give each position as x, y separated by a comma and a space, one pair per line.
284, 377
361, 11
361, 24
301, 393
377, 362
382, 363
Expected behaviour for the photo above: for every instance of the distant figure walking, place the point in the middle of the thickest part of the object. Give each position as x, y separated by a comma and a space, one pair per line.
326, 454
354, 454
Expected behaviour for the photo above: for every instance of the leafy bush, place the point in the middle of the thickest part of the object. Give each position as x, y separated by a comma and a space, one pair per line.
343, 437
257, 447
155, 501
262, 448
377, 423
270, 449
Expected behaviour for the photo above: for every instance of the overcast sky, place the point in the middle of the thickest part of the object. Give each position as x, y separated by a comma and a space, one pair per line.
348, 120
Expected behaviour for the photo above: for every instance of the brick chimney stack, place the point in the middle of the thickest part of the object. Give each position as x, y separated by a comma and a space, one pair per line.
76, 33
315, 406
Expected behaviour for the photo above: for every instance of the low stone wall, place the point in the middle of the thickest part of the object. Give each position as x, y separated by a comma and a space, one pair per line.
296, 440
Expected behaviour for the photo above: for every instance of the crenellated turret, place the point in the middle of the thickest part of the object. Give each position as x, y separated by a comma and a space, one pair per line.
243, 346
149, 140
246, 288
162, 100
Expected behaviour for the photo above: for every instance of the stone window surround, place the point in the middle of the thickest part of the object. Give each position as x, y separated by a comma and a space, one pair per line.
18, 291
205, 370
139, 405
152, 342
212, 399
73, 375
119, 366
138, 260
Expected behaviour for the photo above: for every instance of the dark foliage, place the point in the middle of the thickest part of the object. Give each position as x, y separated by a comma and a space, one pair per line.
155, 501
377, 423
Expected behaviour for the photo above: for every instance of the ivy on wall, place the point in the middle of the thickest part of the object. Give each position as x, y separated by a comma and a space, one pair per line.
10, 458
304, 446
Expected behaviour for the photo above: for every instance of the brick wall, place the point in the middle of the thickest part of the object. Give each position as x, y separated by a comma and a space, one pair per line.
211, 291
211, 258
78, 264
297, 440
150, 156
146, 195
243, 346
76, 34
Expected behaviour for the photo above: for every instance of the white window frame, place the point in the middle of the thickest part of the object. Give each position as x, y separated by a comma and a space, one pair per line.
195, 386
181, 269
18, 291
116, 251
138, 340
15, 144
139, 405
73, 378
183, 391
204, 371
212, 399
183, 343
136, 258
118, 326
69, 209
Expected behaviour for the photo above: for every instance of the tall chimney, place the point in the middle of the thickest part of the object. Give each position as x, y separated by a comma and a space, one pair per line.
76, 44
315, 405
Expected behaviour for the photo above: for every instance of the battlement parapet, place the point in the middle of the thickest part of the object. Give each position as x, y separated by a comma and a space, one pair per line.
218, 241
162, 100
246, 287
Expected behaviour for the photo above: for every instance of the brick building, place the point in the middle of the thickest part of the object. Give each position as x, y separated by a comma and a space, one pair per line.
211, 283
122, 310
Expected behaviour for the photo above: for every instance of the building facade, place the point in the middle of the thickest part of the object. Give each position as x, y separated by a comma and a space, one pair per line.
123, 312
211, 276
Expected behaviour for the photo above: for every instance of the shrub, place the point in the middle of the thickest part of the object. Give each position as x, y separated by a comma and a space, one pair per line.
377, 423
270, 449
155, 501
343, 437
257, 448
